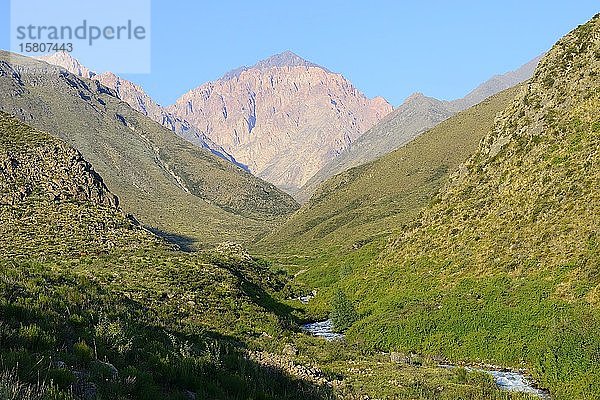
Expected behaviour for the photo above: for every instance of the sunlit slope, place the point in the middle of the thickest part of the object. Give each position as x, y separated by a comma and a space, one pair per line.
380, 197
503, 267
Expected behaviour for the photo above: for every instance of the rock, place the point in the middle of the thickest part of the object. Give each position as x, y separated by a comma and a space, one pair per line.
280, 113
111, 368
85, 390
55, 169
290, 350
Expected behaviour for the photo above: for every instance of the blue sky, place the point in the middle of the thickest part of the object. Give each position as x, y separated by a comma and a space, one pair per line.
387, 48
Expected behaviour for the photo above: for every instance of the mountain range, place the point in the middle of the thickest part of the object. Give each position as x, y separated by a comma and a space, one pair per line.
416, 115
175, 187
379, 197
284, 117
135, 96
271, 117
451, 251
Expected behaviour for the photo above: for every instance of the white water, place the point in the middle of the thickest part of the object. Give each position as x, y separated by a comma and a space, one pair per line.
516, 382
505, 380
322, 329
510, 381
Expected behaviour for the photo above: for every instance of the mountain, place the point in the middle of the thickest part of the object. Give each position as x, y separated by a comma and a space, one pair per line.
279, 113
171, 185
135, 96
67, 61
502, 267
496, 84
379, 197
416, 115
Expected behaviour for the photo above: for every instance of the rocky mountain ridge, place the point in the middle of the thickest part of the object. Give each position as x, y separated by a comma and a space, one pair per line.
139, 100
285, 117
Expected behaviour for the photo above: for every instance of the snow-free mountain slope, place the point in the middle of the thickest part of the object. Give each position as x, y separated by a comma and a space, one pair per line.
503, 265
416, 115
284, 117
379, 197
165, 181
139, 100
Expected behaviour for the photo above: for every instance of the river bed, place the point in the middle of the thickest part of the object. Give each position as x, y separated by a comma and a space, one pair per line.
511, 381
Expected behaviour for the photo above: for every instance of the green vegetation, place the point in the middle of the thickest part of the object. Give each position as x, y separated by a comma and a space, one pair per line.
94, 306
343, 314
93, 303
425, 260
369, 202
502, 266
174, 187
11, 388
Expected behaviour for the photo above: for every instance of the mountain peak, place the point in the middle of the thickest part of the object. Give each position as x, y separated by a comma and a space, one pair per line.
415, 96
67, 61
285, 59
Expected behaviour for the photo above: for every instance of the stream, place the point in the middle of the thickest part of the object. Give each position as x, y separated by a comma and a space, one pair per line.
511, 381
322, 329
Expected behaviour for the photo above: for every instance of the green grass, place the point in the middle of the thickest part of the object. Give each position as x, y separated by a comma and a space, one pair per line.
372, 201
502, 266
92, 303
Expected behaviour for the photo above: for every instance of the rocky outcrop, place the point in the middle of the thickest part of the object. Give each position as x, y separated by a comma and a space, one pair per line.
286, 364
42, 166
284, 117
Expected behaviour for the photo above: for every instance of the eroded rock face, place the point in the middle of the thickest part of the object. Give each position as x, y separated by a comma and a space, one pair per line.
45, 167
284, 117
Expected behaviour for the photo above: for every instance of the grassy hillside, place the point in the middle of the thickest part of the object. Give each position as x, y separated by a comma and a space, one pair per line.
503, 266
168, 183
97, 305
377, 198
416, 115
93, 306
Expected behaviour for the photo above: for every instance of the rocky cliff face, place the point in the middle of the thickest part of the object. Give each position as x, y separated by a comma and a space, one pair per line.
284, 117
68, 62
139, 100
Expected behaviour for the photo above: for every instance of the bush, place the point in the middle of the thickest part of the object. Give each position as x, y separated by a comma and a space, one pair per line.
343, 314
83, 352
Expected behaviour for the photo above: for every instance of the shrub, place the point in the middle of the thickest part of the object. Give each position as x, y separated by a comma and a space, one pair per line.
83, 352
343, 314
